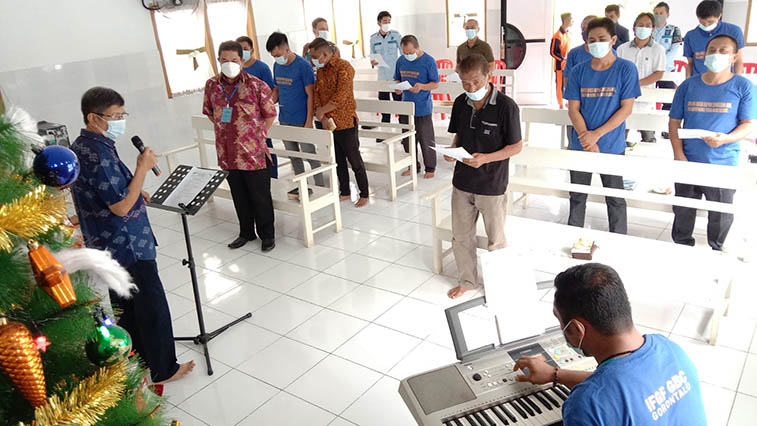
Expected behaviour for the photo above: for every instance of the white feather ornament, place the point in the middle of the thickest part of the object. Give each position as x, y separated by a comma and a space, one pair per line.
102, 267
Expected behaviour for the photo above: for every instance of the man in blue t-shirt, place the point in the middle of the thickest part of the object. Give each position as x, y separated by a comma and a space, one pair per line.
600, 96
419, 69
259, 69
709, 13
721, 102
641, 380
294, 93
578, 54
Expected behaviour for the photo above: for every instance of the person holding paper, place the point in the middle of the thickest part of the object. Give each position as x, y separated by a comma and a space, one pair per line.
386, 43
600, 95
722, 102
641, 379
242, 110
486, 123
418, 69
110, 207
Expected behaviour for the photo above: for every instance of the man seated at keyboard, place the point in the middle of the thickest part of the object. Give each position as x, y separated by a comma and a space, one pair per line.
639, 380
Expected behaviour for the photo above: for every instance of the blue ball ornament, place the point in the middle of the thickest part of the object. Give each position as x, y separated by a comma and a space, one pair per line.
56, 166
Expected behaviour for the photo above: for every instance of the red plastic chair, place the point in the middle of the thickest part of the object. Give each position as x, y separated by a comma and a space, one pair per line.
443, 64
680, 65
750, 68
499, 81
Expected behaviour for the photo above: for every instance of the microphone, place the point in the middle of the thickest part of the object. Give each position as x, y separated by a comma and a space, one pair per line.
141, 148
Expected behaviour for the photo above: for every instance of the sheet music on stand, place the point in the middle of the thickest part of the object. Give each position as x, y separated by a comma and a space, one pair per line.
188, 185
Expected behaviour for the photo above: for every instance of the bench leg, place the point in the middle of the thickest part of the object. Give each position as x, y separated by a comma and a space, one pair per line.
414, 156
307, 215
437, 249
337, 203
720, 311
392, 171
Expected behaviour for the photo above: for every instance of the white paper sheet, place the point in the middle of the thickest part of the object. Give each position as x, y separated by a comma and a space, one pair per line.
454, 78
458, 153
694, 133
189, 187
401, 86
510, 286
378, 58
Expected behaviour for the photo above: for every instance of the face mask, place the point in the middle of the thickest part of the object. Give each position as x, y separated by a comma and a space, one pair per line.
323, 34
411, 57
116, 129
281, 60
478, 94
246, 55
709, 27
659, 19
385, 28
470, 34
643, 33
599, 49
575, 348
717, 62
230, 69
317, 63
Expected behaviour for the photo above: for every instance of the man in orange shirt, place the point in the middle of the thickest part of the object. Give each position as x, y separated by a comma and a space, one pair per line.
559, 51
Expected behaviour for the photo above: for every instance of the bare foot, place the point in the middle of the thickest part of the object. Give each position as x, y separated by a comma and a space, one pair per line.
456, 292
344, 197
183, 370
428, 175
407, 172
363, 201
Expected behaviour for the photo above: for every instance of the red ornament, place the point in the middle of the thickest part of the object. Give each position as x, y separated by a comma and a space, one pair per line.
42, 343
51, 275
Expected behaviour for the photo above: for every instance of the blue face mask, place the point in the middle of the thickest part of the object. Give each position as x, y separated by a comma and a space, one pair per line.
411, 57
470, 33
643, 33
246, 55
717, 62
317, 63
709, 27
599, 49
116, 129
577, 349
281, 60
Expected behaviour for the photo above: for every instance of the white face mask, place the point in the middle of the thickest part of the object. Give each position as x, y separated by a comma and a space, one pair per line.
317, 63
643, 33
717, 62
324, 35
478, 94
246, 55
116, 129
709, 27
470, 34
385, 28
281, 60
599, 49
230, 69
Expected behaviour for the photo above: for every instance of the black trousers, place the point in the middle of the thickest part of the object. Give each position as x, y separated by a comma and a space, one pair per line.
616, 207
347, 148
424, 138
664, 84
251, 193
148, 320
384, 96
718, 224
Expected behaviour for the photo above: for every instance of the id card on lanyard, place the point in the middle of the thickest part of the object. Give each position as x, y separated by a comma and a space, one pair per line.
226, 113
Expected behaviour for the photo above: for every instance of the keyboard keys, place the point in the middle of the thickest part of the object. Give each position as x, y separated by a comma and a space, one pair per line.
549, 397
488, 418
542, 400
457, 422
564, 389
479, 419
500, 415
559, 393
532, 404
508, 413
471, 420
518, 409
525, 406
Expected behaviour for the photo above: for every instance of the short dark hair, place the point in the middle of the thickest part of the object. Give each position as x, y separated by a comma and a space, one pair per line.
245, 39
594, 292
320, 43
98, 99
473, 62
643, 14
230, 45
733, 40
382, 15
662, 4
565, 16
317, 21
275, 40
709, 8
612, 8
605, 23
409, 39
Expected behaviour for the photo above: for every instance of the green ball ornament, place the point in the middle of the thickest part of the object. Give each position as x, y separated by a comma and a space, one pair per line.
110, 345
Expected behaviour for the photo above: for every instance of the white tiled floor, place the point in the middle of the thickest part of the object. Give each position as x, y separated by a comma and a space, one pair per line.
335, 327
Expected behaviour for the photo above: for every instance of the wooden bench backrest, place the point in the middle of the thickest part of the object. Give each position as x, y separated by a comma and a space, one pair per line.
651, 120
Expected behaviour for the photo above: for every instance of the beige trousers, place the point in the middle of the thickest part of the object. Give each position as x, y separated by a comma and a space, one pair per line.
465, 210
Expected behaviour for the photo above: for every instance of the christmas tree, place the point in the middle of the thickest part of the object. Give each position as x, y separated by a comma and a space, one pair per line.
62, 359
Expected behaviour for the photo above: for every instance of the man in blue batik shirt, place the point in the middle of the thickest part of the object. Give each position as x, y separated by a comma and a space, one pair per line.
641, 380
721, 102
386, 42
110, 205
600, 96
709, 14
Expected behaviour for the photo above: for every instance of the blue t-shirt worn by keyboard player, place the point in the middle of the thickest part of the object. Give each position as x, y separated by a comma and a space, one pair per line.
657, 385
600, 93
718, 108
421, 70
291, 80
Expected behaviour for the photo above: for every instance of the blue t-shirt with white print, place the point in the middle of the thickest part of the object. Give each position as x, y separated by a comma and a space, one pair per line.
657, 385
718, 108
600, 93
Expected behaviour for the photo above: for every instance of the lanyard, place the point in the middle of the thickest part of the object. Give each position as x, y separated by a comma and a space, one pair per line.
228, 98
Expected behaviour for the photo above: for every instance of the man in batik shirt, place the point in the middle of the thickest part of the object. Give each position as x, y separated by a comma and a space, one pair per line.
242, 110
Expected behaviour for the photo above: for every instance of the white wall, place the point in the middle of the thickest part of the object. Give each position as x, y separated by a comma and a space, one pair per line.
735, 12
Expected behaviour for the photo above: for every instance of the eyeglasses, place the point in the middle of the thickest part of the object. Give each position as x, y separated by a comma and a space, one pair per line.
120, 116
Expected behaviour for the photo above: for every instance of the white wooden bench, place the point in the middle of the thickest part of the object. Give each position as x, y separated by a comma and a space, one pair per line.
308, 204
388, 156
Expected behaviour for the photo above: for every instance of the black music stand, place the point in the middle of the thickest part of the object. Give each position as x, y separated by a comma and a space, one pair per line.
194, 206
